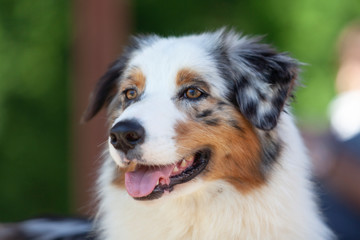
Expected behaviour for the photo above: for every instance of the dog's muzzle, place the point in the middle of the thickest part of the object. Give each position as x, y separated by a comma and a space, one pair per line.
126, 135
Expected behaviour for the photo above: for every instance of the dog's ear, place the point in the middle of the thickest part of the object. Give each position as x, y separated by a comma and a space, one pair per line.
105, 89
263, 79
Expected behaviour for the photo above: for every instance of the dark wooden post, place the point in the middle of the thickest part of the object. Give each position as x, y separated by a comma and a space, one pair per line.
100, 29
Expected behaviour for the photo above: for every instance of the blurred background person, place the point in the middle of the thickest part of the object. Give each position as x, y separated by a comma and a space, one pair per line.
345, 109
337, 153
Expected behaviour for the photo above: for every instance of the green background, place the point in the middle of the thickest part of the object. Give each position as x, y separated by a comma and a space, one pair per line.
35, 63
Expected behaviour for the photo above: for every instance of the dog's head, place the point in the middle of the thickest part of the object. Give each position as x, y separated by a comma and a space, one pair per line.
199, 107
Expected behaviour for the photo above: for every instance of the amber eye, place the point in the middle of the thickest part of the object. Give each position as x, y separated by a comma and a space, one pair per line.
131, 94
192, 93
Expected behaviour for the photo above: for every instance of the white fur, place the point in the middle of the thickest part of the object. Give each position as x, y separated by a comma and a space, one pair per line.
282, 208
159, 147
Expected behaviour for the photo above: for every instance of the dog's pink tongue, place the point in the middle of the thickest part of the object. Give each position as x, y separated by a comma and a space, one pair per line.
143, 180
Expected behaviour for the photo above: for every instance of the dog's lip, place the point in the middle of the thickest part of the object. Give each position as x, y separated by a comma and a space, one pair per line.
199, 163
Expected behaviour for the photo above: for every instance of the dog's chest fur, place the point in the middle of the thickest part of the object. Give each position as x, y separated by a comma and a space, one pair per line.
202, 144
282, 209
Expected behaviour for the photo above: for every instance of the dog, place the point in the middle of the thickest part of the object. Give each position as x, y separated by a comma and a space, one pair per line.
202, 143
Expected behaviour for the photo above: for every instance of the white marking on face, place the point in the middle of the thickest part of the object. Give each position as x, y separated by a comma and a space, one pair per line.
161, 62
156, 110
158, 117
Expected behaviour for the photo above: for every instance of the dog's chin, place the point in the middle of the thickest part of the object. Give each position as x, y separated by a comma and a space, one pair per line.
147, 182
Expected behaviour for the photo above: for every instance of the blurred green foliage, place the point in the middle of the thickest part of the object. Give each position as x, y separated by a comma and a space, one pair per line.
307, 29
35, 85
34, 109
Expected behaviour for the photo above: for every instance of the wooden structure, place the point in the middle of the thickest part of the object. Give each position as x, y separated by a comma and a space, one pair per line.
100, 29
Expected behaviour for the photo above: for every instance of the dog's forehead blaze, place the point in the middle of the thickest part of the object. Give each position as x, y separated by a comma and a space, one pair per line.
235, 149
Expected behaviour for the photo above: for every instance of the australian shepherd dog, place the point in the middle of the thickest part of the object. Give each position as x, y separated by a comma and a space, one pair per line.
202, 143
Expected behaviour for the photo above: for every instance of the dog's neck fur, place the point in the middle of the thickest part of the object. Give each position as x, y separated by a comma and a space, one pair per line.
283, 208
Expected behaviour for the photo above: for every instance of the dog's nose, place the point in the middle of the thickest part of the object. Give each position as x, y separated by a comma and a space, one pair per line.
125, 135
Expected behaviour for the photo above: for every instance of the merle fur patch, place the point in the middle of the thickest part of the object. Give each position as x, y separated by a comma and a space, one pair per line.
212, 122
260, 79
271, 148
205, 113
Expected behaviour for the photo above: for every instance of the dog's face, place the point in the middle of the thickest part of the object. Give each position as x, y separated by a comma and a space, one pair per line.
191, 109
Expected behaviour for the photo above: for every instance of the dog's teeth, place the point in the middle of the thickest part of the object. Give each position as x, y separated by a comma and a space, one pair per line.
175, 169
183, 163
189, 159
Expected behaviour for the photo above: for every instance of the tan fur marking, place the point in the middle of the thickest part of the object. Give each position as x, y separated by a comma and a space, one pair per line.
187, 76
119, 179
135, 78
235, 154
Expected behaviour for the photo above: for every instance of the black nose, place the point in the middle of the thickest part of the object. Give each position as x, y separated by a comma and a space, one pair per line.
125, 135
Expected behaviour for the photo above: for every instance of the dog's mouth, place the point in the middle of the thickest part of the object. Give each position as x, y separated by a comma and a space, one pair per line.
151, 182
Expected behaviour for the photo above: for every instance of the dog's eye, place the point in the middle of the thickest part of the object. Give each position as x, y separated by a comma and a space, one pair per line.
131, 94
192, 93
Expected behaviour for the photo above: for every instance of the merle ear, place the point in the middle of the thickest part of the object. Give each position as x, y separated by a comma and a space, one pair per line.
264, 80
105, 89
